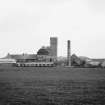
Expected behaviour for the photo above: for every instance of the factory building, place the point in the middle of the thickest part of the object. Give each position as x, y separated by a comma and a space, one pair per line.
46, 56
32, 59
52, 49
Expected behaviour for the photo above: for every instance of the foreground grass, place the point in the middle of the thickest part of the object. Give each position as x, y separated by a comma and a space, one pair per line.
52, 86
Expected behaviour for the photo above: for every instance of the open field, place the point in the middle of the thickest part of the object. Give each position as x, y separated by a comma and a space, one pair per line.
52, 86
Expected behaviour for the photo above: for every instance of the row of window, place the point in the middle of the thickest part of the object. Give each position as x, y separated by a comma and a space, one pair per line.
35, 60
34, 65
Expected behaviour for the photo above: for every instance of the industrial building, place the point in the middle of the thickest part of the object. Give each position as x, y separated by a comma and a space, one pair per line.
46, 56
50, 50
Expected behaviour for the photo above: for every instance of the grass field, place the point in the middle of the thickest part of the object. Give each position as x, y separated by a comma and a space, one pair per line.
52, 86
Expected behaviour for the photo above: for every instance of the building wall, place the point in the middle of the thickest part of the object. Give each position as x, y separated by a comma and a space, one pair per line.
53, 46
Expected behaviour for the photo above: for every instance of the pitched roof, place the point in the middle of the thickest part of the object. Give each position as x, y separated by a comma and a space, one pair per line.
99, 60
21, 56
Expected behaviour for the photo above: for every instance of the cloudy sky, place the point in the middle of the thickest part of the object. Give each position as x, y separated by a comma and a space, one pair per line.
26, 25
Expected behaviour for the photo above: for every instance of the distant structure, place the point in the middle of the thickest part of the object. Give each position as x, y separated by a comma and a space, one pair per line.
69, 53
46, 56
49, 50
53, 46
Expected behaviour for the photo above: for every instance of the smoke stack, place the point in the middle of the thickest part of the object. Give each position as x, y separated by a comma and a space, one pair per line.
69, 53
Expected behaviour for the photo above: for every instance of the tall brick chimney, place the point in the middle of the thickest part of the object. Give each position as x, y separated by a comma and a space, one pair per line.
68, 53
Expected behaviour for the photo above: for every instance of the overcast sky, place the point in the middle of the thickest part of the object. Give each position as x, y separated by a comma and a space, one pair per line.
26, 25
